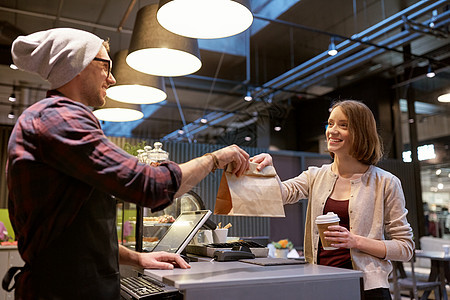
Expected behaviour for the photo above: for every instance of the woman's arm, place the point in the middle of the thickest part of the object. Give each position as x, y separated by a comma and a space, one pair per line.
292, 190
400, 244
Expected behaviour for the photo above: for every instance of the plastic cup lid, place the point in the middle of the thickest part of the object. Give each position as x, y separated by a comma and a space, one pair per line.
328, 218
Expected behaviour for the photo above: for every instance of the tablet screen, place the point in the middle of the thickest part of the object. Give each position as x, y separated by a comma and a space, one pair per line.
182, 231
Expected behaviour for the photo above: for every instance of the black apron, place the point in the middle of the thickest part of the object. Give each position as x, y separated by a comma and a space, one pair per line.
82, 263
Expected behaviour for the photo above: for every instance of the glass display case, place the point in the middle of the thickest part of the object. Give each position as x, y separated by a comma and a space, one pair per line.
139, 229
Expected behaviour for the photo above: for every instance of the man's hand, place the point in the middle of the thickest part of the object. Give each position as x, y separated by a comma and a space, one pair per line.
234, 155
153, 260
162, 260
197, 169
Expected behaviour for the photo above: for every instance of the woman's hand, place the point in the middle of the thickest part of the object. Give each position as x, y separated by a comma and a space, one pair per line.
263, 160
341, 237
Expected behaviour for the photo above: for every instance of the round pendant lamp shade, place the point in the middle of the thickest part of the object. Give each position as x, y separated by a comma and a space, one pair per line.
205, 19
133, 86
157, 51
115, 111
444, 98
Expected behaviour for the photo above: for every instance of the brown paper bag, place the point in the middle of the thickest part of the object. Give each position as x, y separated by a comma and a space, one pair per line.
252, 194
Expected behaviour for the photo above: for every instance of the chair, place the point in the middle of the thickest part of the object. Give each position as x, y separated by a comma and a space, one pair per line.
402, 282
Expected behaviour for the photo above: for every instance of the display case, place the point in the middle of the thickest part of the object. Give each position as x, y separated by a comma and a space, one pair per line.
137, 227
140, 230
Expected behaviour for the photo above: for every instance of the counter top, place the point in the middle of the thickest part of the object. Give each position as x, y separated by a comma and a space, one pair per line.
8, 247
217, 274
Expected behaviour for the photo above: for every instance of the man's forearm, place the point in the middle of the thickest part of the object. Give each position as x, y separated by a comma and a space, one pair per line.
193, 172
128, 257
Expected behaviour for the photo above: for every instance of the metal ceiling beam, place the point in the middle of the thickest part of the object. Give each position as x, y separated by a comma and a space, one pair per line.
309, 71
377, 31
62, 19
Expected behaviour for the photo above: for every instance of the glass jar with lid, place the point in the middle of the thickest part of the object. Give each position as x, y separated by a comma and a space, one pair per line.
157, 154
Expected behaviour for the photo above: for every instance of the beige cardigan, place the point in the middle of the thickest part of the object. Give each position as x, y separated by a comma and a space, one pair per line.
376, 207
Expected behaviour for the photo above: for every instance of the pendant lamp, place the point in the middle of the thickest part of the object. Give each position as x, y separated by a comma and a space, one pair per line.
133, 86
157, 51
115, 111
444, 98
205, 19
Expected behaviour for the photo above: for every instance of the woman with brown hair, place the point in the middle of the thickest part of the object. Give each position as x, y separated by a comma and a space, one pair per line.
368, 200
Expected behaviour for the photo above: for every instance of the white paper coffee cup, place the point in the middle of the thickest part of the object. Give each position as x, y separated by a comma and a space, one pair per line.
220, 235
322, 222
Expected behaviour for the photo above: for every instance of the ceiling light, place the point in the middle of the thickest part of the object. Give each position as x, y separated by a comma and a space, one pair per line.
13, 66
277, 128
440, 186
12, 97
433, 19
205, 19
332, 51
247, 139
444, 98
438, 172
248, 96
203, 120
430, 71
181, 132
115, 111
133, 86
156, 51
11, 114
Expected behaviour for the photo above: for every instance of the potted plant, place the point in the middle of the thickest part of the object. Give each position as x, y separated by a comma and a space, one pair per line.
282, 248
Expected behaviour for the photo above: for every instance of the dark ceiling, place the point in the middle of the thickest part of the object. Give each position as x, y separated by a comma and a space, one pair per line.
286, 61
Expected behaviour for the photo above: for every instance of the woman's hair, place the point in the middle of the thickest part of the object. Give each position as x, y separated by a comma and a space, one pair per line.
366, 143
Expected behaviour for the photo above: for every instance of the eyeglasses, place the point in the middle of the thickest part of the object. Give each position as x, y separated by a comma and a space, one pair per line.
108, 71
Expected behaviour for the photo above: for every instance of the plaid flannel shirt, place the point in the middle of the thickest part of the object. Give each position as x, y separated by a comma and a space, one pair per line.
57, 154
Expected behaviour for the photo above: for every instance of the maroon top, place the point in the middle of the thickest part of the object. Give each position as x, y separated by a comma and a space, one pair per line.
340, 257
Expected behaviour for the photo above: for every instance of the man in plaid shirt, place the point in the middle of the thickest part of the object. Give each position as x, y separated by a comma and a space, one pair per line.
62, 170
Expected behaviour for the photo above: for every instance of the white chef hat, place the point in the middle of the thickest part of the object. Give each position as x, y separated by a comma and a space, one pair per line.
57, 55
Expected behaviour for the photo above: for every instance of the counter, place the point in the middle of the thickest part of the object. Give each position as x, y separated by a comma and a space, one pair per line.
224, 280
9, 257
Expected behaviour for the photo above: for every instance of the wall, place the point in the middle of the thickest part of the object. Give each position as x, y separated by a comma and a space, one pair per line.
428, 127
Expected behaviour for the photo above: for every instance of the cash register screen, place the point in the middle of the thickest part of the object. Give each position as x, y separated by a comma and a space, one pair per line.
182, 231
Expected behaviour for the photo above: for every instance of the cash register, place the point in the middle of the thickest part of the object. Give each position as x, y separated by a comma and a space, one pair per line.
174, 240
